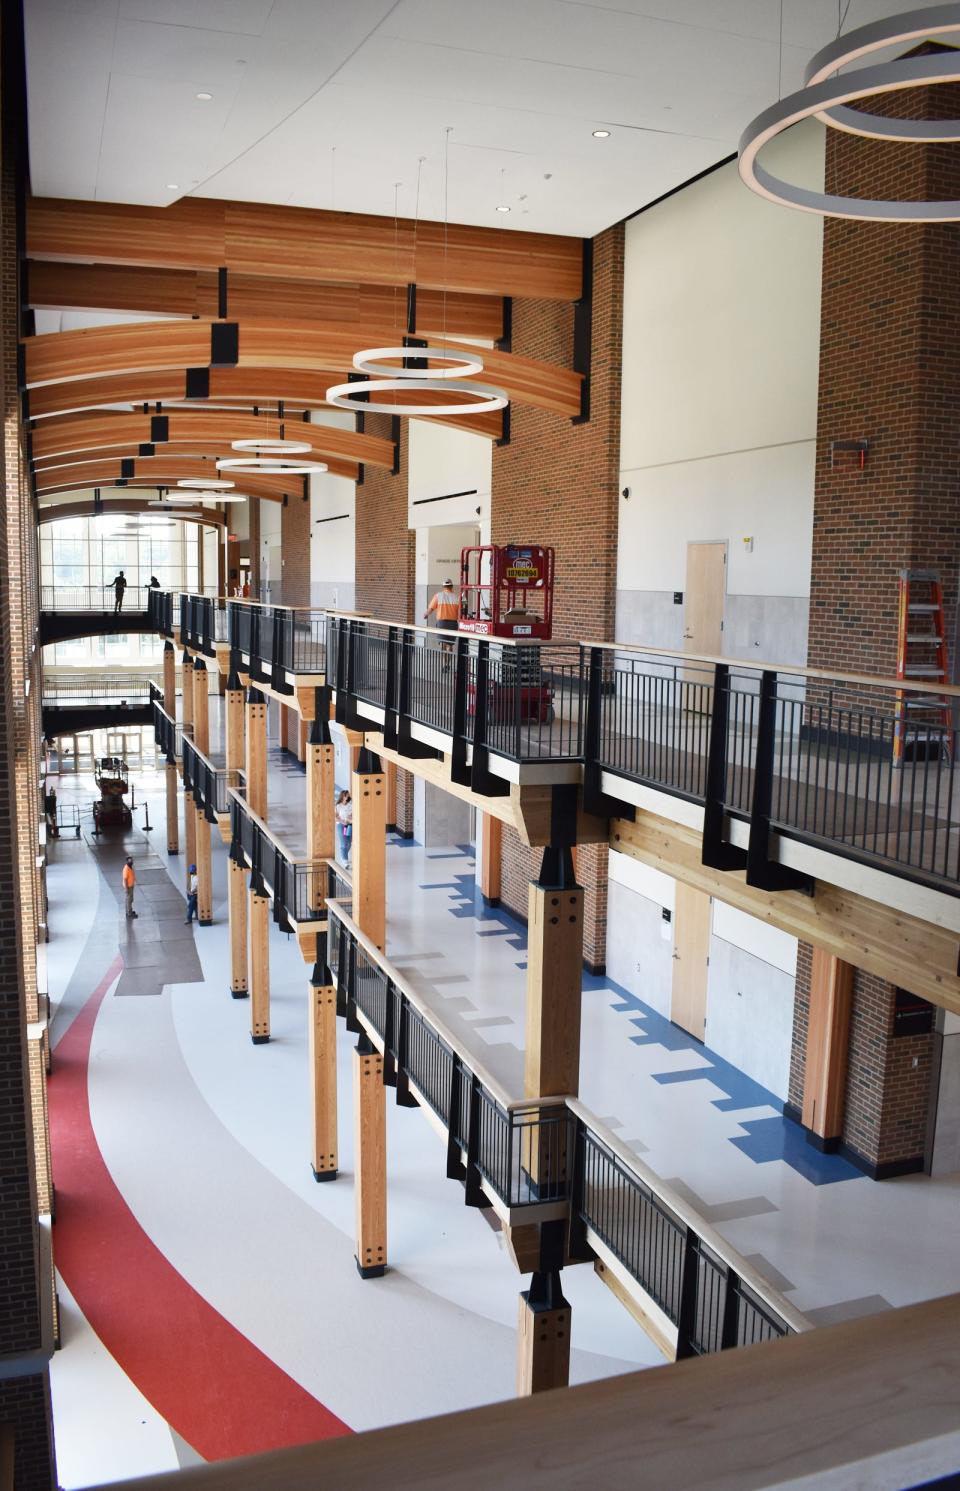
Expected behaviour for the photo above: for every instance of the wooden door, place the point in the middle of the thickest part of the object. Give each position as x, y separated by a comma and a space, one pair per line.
691, 950
703, 599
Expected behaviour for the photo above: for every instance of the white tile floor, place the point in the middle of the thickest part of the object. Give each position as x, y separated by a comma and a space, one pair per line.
222, 1127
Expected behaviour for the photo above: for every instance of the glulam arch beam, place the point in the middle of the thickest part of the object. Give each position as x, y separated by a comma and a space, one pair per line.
241, 389
146, 471
202, 458
126, 507
164, 346
83, 433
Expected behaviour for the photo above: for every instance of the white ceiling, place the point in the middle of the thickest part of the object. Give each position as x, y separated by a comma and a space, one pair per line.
329, 103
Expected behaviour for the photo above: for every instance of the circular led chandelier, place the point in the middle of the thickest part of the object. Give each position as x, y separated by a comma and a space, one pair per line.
276, 447
203, 483
486, 397
827, 98
463, 364
271, 466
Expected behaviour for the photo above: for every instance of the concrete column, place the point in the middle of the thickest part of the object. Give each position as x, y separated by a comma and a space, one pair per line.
369, 791
201, 739
236, 875
259, 904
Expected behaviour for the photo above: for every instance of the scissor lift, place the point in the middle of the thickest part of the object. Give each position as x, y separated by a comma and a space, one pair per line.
507, 591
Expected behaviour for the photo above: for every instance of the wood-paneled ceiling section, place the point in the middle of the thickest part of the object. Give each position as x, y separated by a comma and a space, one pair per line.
54, 512
298, 243
159, 471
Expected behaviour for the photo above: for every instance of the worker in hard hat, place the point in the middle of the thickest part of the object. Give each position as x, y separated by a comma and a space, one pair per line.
447, 609
191, 894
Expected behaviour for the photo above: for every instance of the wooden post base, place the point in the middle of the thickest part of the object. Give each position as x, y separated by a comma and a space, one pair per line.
370, 1144
259, 914
237, 909
173, 809
323, 1080
543, 1337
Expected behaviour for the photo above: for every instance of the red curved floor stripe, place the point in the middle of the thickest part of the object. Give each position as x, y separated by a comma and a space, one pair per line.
212, 1385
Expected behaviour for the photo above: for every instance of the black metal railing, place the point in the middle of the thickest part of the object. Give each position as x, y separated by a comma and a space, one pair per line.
203, 622
698, 1287
278, 639
520, 1150
549, 1152
98, 688
523, 701
161, 610
210, 784
94, 598
297, 888
168, 733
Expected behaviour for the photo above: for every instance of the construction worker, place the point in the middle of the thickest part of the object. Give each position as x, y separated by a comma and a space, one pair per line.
129, 883
192, 885
447, 607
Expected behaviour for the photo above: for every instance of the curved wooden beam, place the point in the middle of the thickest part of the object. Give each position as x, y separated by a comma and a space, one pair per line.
301, 243
149, 471
244, 388
200, 430
53, 512
163, 346
190, 292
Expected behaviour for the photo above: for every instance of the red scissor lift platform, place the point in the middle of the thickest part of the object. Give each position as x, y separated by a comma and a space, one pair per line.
506, 591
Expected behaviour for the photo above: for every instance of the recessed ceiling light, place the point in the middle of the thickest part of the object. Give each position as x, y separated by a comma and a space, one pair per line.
601, 134
206, 97
173, 186
503, 209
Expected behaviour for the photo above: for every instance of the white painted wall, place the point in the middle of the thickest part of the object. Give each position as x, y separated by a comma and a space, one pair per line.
333, 507
719, 395
442, 461
270, 545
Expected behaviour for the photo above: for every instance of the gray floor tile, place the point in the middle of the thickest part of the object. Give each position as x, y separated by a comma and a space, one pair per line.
139, 981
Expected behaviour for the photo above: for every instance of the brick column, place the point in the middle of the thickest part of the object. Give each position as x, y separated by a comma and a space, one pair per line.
890, 375
557, 483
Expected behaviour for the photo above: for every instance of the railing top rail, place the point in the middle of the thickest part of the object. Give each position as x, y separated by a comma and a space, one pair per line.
692, 1219
237, 600
267, 832
495, 1089
207, 762
753, 665
340, 870
430, 631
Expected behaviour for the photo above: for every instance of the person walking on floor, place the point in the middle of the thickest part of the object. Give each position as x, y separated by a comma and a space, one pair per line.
119, 583
192, 884
447, 607
345, 825
129, 884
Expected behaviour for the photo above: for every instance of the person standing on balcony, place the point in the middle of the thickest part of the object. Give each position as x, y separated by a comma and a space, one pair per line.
192, 885
345, 825
129, 885
447, 607
119, 583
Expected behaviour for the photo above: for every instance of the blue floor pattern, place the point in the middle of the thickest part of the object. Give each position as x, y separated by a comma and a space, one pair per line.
764, 1139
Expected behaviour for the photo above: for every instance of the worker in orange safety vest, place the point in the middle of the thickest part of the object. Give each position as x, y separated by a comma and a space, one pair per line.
447, 607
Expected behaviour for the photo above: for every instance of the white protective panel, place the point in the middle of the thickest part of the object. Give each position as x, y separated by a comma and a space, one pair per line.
756, 937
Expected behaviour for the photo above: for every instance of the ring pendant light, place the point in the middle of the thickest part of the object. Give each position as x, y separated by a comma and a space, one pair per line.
464, 365
353, 396
203, 483
271, 466
827, 98
276, 447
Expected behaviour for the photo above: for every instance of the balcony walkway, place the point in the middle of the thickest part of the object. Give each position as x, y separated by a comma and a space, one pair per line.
194, 1122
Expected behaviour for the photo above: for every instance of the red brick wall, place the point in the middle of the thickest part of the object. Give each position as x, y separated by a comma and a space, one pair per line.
557, 483
385, 552
295, 551
24, 1402
889, 374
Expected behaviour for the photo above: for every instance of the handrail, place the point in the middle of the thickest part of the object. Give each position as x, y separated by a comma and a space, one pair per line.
268, 833
431, 631
821, 675
336, 908
691, 1218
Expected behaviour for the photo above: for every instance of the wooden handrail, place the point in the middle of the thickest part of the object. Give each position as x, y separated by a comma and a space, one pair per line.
874, 1401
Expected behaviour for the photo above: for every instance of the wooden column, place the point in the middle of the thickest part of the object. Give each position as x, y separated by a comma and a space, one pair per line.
391, 796
828, 1036
543, 1336
170, 705
491, 837
321, 833
554, 971
201, 739
369, 792
236, 874
189, 812
259, 904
